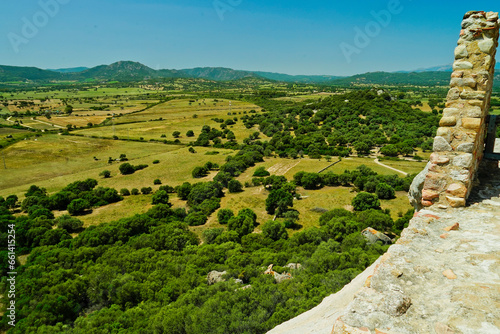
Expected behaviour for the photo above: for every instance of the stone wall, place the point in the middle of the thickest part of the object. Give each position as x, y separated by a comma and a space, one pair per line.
459, 144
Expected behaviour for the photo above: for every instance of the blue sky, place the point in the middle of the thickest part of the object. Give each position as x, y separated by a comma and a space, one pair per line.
294, 37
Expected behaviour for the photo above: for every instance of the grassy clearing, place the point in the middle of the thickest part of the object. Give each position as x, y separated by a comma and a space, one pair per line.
410, 167
54, 161
130, 206
302, 98
176, 115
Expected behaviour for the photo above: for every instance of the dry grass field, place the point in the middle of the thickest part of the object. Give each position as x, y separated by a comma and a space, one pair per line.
53, 161
176, 115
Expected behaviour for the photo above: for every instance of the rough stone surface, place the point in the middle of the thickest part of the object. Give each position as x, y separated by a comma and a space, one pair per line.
215, 277
446, 285
441, 145
319, 320
415, 192
462, 130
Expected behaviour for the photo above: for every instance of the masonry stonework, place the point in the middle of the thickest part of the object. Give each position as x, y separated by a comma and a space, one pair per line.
459, 144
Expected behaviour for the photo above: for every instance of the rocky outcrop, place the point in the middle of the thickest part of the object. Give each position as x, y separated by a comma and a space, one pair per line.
215, 277
277, 276
373, 236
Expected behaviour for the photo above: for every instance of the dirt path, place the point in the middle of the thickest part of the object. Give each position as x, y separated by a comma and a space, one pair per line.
47, 123
25, 126
392, 168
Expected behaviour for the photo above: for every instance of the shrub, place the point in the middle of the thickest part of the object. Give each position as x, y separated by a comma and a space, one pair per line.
385, 191
224, 215
134, 191
199, 172
125, 192
234, 186
261, 172
157, 181
176, 134
69, 223
195, 219
365, 201
126, 168
168, 189
190, 133
274, 230
160, 197
105, 174
146, 190
156, 162
78, 207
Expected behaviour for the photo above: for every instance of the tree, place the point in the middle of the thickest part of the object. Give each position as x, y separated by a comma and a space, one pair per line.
199, 172
176, 134
105, 174
160, 197
196, 219
78, 207
184, 190
311, 181
390, 150
146, 190
11, 201
190, 133
134, 191
126, 169
274, 230
125, 192
224, 215
241, 224
385, 191
365, 201
234, 186
68, 109
261, 172
157, 181
278, 202
69, 223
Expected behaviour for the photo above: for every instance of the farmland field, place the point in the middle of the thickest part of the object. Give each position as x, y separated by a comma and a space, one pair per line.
176, 115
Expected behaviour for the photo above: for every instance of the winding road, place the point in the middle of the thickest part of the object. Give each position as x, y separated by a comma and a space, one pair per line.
392, 168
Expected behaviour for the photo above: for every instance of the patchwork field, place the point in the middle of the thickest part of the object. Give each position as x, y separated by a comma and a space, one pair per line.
176, 115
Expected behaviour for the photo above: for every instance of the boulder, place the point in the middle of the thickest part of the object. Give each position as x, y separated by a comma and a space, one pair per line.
415, 192
372, 236
215, 277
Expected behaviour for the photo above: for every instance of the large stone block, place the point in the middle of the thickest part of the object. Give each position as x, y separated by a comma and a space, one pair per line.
472, 123
441, 145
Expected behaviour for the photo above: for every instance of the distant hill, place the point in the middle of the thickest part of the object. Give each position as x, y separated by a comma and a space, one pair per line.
386, 78
297, 78
69, 70
134, 71
15, 73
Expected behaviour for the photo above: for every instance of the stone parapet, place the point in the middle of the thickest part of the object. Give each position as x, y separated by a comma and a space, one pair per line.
459, 144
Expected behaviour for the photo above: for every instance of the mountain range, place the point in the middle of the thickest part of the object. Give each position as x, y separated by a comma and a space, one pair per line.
134, 71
